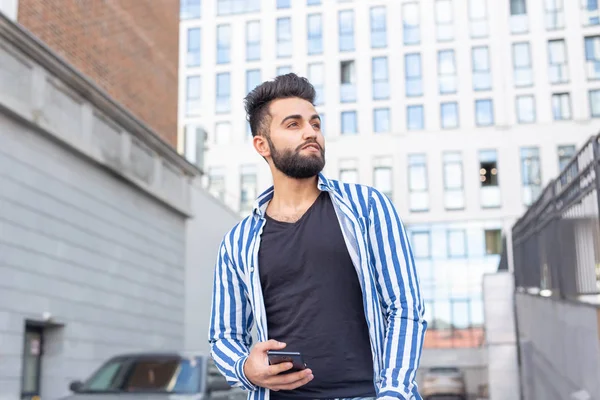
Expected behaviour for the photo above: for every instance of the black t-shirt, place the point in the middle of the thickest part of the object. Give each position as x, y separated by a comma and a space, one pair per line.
314, 303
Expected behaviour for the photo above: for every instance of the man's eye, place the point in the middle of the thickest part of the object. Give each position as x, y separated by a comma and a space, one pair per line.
292, 124
318, 126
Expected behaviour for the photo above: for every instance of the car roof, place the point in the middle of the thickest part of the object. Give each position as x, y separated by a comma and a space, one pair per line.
161, 354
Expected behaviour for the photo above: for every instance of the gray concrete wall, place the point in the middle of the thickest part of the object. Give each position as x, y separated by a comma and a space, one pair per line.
101, 256
500, 334
205, 231
93, 210
560, 348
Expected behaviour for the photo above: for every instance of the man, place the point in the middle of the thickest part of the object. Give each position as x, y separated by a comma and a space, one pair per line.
324, 268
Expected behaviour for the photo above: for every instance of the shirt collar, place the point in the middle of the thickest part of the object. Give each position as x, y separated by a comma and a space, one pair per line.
261, 203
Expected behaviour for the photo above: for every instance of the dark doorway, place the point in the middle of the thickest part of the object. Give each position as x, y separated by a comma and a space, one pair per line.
32, 361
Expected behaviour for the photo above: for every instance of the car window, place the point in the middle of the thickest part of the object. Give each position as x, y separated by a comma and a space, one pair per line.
147, 374
104, 379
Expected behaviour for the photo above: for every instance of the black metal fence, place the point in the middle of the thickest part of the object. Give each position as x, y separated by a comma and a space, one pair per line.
556, 243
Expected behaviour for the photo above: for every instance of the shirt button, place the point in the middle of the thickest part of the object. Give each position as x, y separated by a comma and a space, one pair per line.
251, 269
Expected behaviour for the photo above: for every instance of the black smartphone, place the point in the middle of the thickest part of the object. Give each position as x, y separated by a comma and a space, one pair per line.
278, 357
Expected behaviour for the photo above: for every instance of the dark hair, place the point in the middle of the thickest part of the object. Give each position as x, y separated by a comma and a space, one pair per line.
283, 87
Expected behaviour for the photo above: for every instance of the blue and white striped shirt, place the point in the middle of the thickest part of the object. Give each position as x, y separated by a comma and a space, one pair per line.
379, 249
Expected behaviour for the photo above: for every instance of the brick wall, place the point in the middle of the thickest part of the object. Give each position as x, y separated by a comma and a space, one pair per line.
128, 47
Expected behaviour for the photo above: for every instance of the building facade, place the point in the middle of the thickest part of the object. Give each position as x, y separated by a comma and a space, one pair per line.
129, 49
104, 245
459, 110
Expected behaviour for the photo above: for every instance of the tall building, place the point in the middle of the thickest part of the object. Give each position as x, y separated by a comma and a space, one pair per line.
128, 48
459, 110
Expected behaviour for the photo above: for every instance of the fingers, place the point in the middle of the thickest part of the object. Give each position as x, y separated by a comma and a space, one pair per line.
279, 368
270, 345
288, 379
304, 379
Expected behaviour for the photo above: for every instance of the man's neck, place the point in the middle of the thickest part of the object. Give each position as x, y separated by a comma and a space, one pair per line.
292, 197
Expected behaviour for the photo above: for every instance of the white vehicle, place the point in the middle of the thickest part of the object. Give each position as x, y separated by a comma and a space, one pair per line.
444, 383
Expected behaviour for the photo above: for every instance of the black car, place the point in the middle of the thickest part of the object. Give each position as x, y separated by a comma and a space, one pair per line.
156, 376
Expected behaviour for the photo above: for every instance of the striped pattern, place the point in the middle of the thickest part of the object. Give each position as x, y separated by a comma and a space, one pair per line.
379, 249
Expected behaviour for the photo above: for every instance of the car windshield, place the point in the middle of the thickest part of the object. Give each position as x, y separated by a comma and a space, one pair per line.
146, 374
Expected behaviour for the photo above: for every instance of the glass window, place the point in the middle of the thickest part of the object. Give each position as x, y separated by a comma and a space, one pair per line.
190, 9
531, 174
482, 79
348, 82
449, 115
193, 95
252, 79
346, 30
421, 244
223, 133
349, 123
525, 109
315, 34
453, 181
382, 180
283, 70
284, 3
522, 64
32, 362
418, 185
410, 23
518, 7
488, 175
565, 154
414, 81
194, 53
194, 144
555, 14
478, 18
223, 93
518, 16
447, 72
349, 175
592, 57
457, 243
595, 103
493, 241
590, 14
444, 16
488, 168
316, 76
557, 60
378, 27
415, 118
381, 120
253, 40
313, 2
223, 44
248, 188
230, 7
484, 112
561, 106
284, 37
381, 87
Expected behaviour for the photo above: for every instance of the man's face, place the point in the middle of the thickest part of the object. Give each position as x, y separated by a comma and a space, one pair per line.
295, 141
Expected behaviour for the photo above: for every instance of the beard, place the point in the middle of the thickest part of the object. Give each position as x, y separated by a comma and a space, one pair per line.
296, 165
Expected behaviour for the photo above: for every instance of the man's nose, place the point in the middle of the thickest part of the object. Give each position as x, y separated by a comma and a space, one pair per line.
309, 131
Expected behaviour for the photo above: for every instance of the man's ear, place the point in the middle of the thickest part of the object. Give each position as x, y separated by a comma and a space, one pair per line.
261, 145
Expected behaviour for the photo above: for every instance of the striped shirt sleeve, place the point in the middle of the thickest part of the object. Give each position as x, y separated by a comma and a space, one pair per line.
398, 288
230, 323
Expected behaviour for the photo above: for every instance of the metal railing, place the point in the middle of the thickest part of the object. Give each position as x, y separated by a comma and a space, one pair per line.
556, 243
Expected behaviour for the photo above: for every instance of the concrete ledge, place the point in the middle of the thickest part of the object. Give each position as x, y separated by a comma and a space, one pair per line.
43, 91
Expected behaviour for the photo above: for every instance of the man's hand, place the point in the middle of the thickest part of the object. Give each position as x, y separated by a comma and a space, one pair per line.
260, 373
